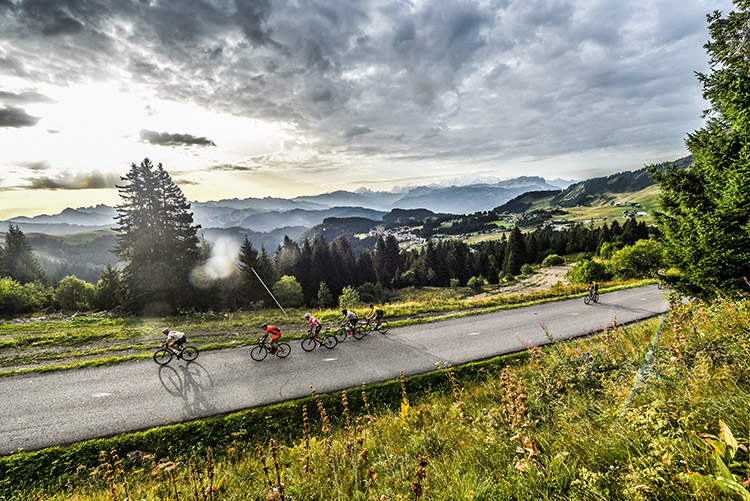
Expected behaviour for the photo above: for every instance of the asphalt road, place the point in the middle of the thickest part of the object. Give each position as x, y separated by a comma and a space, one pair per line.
57, 408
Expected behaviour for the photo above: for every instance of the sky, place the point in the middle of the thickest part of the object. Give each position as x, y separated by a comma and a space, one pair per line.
256, 98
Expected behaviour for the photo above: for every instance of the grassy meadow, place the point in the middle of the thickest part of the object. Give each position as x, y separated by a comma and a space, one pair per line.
657, 410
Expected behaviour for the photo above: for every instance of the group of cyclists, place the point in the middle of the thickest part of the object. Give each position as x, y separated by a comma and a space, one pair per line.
176, 339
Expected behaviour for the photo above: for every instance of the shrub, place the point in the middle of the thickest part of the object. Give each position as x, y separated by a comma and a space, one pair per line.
586, 270
639, 260
73, 294
527, 270
325, 296
454, 283
475, 284
371, 293
349, 297
288, 291
553, 260
16, 298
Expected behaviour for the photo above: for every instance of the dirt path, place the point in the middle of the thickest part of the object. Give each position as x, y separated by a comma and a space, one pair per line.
542, 279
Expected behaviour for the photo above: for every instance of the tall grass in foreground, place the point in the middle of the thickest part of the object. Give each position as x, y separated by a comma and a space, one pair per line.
658, 410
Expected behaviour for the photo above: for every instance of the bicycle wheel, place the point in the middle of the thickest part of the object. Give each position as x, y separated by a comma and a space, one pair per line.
596, 297
163, 356
284, 350
308, 344
359, 332
189, 353
383, 327
259, 352
587, 298
330, 342
341, 334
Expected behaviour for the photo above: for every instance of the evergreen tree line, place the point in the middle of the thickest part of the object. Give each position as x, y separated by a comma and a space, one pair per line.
323, 270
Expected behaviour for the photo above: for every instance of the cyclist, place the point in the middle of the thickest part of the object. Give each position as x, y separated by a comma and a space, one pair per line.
376, 314
314, 325
275, 333
350, 320
175, 340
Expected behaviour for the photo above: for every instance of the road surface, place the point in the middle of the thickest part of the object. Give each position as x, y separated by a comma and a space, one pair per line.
58, 408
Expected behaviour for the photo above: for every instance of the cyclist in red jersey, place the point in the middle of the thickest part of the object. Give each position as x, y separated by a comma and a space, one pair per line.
275, 333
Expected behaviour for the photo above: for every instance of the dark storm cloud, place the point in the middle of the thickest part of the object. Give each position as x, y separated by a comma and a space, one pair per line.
73, 181
167, 139
11, 116
24, 97
356, 131
510, 78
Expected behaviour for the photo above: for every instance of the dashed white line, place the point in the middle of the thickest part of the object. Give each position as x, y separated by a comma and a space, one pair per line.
101, 395
329, 359
472, 334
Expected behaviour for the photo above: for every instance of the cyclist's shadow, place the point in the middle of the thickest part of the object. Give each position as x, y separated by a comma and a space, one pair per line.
193, 384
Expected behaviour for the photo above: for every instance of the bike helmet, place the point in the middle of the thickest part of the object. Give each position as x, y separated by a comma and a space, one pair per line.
307, 316
372, 305
264, 326
343, 310
166, 331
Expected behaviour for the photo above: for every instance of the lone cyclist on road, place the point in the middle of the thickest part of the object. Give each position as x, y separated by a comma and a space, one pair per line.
275, 333
350, 320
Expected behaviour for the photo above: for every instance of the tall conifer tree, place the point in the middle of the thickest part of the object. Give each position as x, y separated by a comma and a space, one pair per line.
157, 239
705, 209
19, 262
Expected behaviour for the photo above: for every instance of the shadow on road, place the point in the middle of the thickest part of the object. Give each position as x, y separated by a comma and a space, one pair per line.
191, 382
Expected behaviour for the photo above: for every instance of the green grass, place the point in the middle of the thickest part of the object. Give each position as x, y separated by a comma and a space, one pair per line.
656, 410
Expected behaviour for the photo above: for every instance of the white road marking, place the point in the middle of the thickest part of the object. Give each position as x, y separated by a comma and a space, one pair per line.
472, 334
329, 359
574, 314
100, 395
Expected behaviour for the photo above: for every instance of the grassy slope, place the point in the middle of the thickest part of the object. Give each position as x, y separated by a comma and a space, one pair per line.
652, 411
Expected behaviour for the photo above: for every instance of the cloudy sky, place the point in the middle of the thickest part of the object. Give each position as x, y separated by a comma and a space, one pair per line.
241, 98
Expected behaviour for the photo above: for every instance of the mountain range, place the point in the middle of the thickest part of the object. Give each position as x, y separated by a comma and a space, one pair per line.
269, 213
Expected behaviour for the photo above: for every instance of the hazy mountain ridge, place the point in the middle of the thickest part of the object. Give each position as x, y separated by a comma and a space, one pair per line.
269, 213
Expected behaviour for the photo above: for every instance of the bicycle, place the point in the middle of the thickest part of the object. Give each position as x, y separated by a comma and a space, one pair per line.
165, 353
342, 333
262, 349
382, 327
312, 341
591, 296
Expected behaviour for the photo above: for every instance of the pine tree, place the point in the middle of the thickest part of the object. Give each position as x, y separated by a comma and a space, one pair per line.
704, 215
267, 271
19, 262
109, 293
345, 261
515, 254
287, 256
157, 239
247, 260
